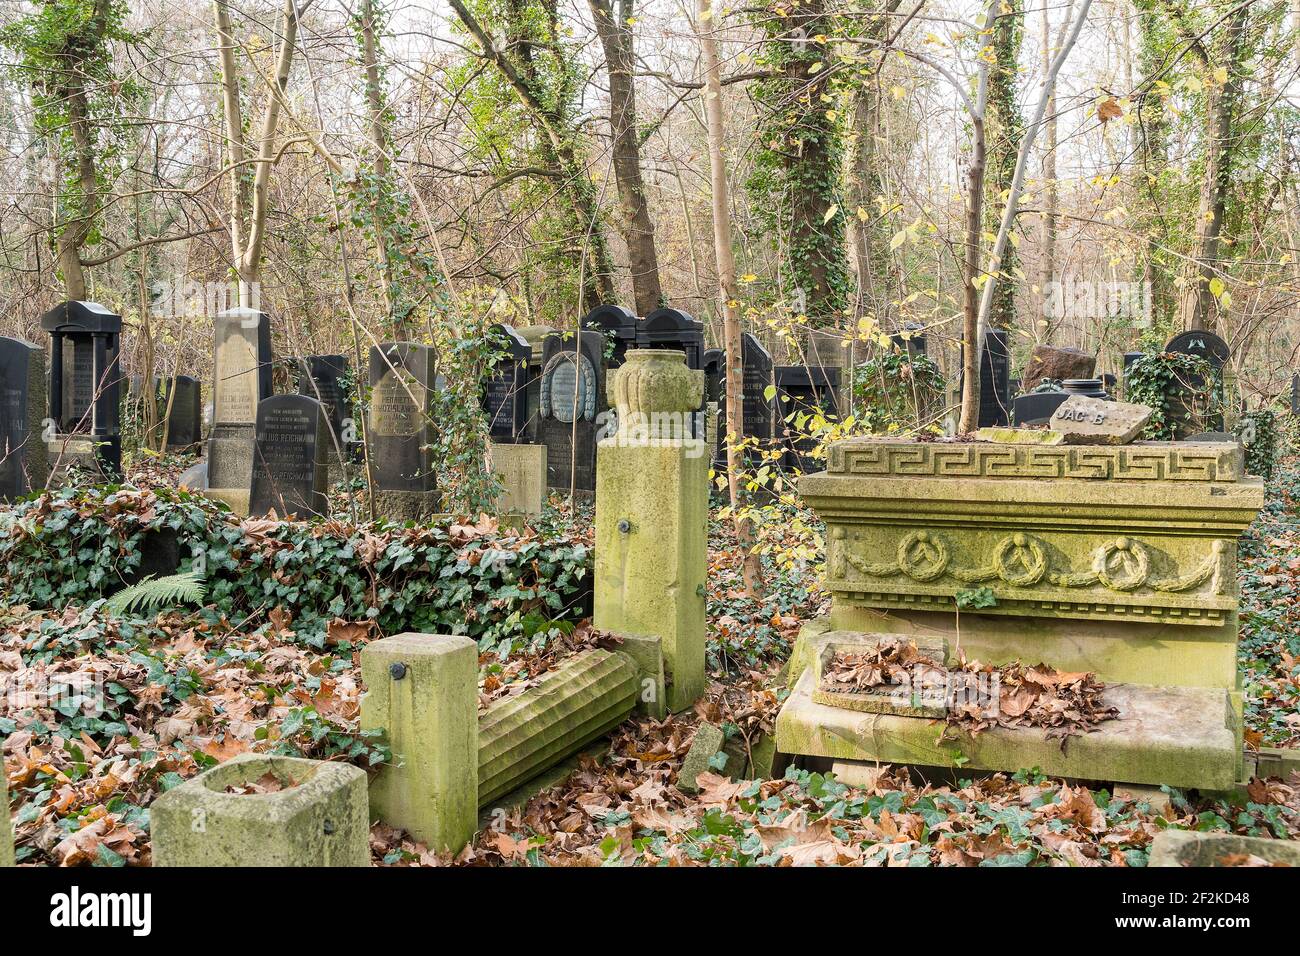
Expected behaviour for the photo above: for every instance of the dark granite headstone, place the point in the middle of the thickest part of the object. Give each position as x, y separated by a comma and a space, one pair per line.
85, 385
1295, 394
715, 374
535, 336
24, 466
758, 411
241, 381
289, 460
1203, 344
400, 431
673, 329
1036, 408
807, 391
571, 409
995, 379
1213, 350
183, 426
505, 388
910, 339
328, 379
619, 326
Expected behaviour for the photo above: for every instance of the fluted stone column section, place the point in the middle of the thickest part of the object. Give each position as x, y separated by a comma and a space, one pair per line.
520, 737
652, 500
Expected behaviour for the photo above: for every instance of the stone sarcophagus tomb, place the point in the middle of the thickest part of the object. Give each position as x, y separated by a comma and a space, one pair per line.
1118, 560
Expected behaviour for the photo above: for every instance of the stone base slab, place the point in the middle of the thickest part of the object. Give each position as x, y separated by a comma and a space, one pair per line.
1186, 848
402, 506
1164, 735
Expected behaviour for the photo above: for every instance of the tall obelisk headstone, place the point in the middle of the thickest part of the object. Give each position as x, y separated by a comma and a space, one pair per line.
652, 511
24, 465
400, 431
242, 378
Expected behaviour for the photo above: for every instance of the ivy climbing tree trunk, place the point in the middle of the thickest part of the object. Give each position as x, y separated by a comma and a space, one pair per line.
751, 567
614, 28
798, 159
1004, 129
562, 140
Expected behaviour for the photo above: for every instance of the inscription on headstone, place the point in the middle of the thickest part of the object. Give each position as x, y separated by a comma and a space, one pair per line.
85, 386
24, 466
1095, 421
288, 458
505, 388
995, 379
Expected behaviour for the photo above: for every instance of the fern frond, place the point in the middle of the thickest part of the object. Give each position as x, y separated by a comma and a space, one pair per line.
153, 593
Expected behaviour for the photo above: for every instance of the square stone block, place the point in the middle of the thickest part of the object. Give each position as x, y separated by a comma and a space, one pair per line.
320, 818
1186, 848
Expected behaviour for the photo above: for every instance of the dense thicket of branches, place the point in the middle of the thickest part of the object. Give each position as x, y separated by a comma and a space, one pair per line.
382, 168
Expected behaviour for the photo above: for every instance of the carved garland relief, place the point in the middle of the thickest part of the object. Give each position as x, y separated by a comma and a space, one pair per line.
1020, 560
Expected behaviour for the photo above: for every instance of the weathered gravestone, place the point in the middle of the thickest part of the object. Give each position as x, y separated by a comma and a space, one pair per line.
241, 380
328, 379
24, 466
1215, 351
619, 326
910, 339
715, 380
505, 388
673, 329
1094, 421
180, 411
85, 387
804, 392
289, 458
1037, 407
401, 430
535, 336
758, 403
1058, 364
572, 409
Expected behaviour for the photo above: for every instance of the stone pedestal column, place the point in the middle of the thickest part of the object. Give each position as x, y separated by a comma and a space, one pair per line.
652, 499
7, 827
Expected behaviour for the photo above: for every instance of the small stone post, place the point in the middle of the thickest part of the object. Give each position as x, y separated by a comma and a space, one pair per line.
422, 690
652, 501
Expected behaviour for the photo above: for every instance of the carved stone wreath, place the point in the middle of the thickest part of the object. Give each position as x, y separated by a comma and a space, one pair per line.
1020, 560
584, 384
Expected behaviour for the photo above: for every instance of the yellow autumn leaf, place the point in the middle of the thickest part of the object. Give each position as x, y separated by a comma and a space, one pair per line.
830, 214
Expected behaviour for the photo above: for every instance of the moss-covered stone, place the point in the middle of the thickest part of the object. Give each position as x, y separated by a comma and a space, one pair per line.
652, 523
1020, 436
647, 652
319, 818
708, 742
1186, 848
422, 691
522, 471
519, 737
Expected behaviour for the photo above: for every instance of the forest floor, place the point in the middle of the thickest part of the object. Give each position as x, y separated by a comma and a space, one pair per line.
202, 694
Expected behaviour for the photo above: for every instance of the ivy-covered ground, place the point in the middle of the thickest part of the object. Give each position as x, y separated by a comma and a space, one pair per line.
269, 661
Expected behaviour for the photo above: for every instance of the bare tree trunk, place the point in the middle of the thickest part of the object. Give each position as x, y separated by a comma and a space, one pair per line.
379, 162
615, 34
970, 339
1051, 195
752, 569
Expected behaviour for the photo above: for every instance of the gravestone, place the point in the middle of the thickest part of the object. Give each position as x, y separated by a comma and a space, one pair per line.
910, 339
180, 417
715, 380
1058, 364
400, 430
505, 388
85, 386
1215, 351
24, 466
535, 336
241, 380
619, 326
289, 458
673, 329
804, 390
995, 378
1095, 421
328, 379
572, 409
759, 411
1295, 394
1036, 408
